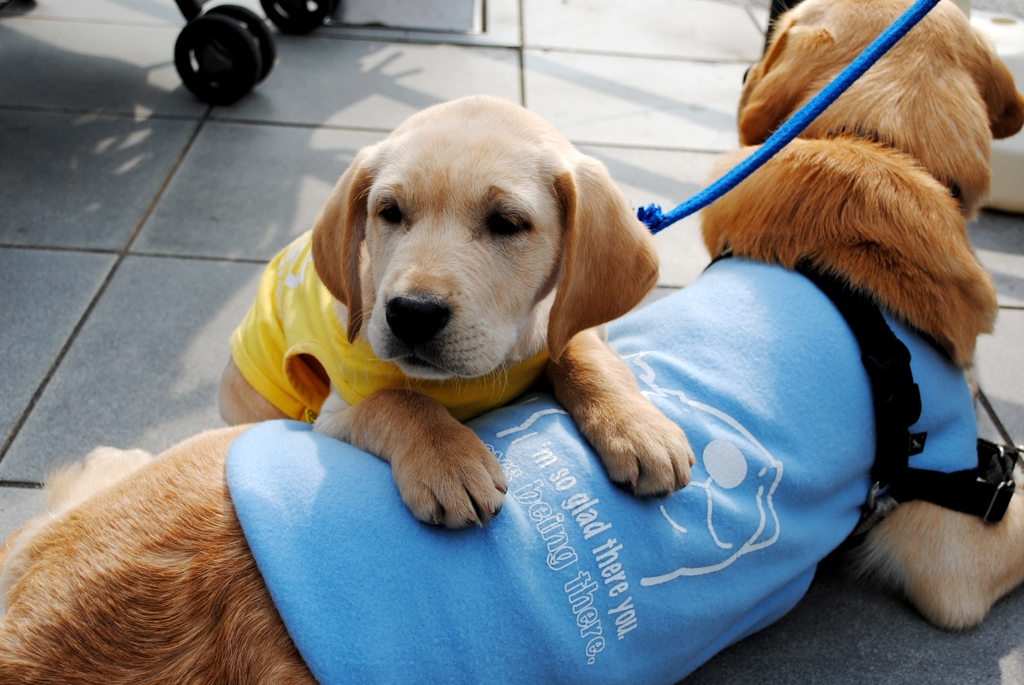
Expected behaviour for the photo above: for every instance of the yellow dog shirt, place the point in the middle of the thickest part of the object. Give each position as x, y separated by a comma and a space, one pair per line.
294, 315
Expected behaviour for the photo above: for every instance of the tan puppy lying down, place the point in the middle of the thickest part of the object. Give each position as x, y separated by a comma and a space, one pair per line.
453, 261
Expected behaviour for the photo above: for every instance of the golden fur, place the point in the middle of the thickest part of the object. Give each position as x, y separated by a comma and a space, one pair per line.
142, 575
138, 571
865, 193
584, 259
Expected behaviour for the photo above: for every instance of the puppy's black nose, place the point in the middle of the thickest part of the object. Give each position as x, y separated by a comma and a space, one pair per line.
416, 321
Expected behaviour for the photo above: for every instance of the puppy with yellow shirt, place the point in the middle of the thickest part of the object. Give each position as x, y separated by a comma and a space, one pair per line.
456, 262
291, 337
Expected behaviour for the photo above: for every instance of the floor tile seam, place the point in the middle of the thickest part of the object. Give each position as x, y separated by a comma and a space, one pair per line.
118, 114
187, 257
97, 296
172, 172
329, 31
350, 35
382, 35
74, 249
95, 21
524, 46
687, 59
111, 252
650, 148
217, 119
20, 485
58, 359
220, 119
522, 53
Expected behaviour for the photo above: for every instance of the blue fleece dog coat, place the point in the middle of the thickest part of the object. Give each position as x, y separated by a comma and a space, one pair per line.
577, 581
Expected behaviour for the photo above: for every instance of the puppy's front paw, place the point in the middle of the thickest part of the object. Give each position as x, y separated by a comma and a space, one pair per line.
453, 481
643, 450
445, 474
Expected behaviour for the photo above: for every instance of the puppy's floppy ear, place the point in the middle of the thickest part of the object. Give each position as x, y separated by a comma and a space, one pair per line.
608, 257
995, 84
337, 239
777, 85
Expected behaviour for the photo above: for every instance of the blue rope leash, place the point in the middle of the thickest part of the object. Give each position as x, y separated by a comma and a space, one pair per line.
652, 216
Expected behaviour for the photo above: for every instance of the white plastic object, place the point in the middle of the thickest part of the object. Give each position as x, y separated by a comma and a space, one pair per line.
461, 16
1007, 154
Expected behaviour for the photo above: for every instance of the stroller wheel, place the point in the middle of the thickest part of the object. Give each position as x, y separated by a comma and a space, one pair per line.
298, 16
217, 59
257, 27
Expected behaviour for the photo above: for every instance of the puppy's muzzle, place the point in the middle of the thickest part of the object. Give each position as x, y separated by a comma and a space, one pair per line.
416, 321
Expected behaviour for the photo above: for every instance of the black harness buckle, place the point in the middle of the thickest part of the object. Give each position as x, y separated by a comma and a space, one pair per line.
998, 472
1000, 501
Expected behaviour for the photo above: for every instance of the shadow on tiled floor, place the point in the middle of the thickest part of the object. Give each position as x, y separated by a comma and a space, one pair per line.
134, 221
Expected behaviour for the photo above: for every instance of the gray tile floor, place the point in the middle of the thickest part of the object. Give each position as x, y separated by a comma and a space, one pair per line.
134, 221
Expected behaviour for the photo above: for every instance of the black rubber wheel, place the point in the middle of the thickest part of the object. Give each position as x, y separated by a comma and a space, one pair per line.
298, 17
218, 59
257, 27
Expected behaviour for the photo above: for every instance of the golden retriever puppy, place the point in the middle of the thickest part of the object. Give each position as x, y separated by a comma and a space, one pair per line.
877, 191
453, 262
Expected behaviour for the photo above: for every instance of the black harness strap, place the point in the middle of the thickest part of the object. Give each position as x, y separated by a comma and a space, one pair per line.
984, 492
896, 397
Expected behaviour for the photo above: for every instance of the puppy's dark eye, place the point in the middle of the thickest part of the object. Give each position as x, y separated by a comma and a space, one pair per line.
390, 213
507, 224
